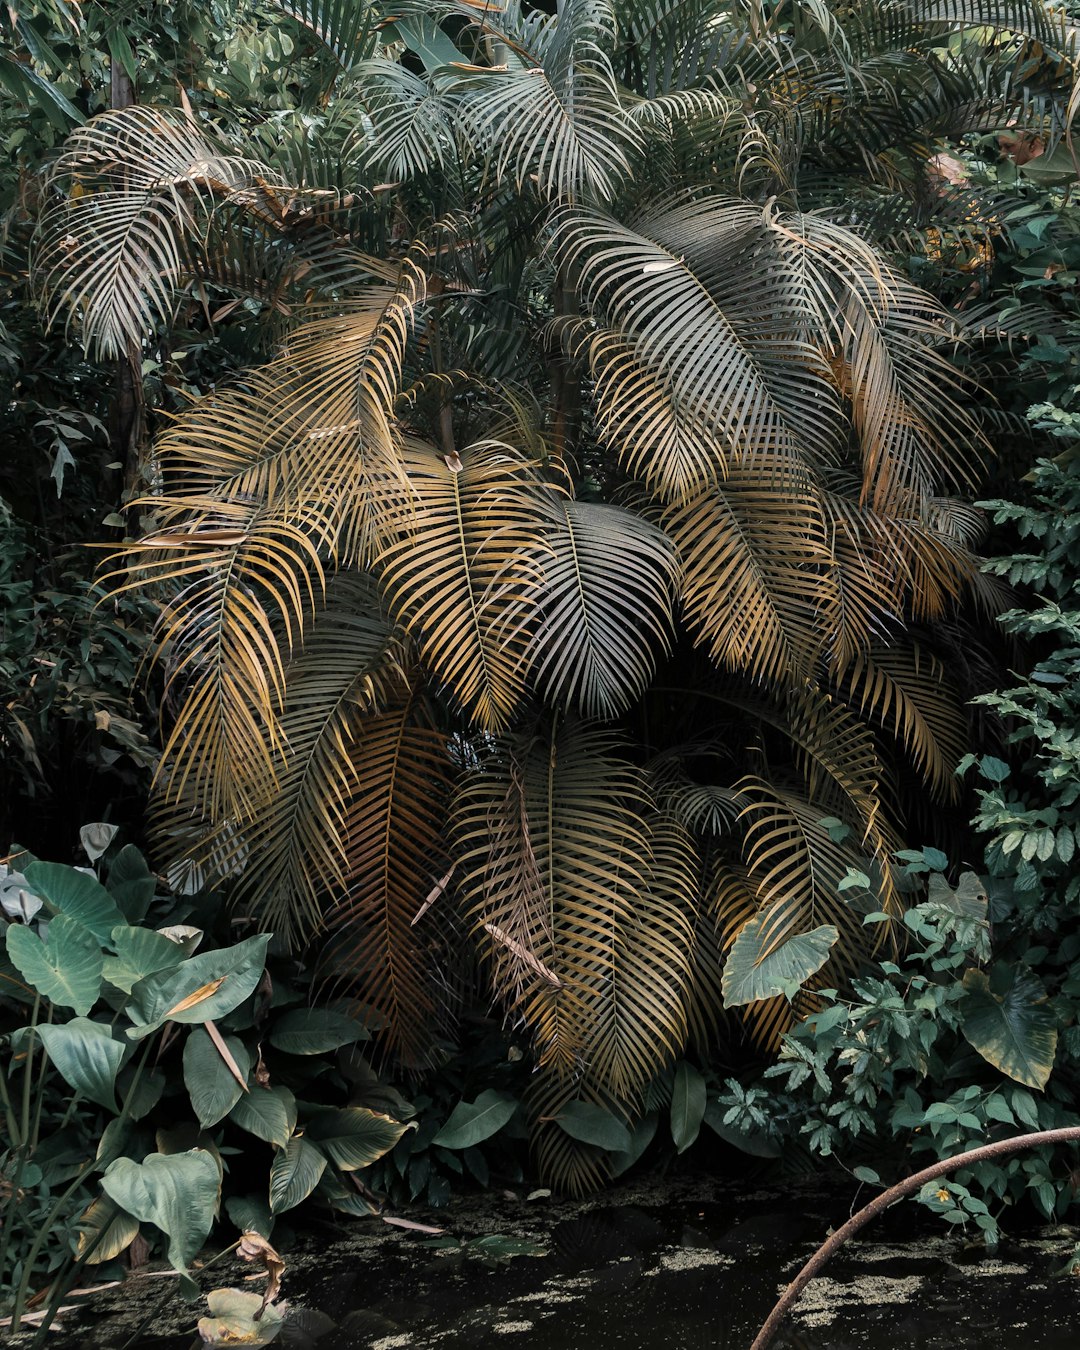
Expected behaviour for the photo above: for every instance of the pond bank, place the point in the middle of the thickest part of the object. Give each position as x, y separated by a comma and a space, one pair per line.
688, 1263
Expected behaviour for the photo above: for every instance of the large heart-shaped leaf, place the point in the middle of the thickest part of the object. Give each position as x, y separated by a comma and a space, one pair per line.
212, 1086
470, 1123
139, 952
201, 989
131, 883
238, 1317
77, 895
1014, 1031
178, 1192
295, 1173
65, 968
86, 1057
355, 1137
753, 971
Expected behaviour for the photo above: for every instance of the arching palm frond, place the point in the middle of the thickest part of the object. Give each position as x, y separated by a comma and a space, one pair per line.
392, 830
683, 374
412, 124
110, 252
554, 109
291, 853
755, 574
465, 577
907, 691
795, 865
346, 29
555, 922
608, 589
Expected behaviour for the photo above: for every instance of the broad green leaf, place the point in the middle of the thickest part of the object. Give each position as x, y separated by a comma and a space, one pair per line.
250, 1214
65, 968
86, 1056
355, 1137
131, 883
267, 1113
76, 895
471, 1123
105, 1230
177, 1192
752, 973
211, 1084
315, 1031
688, 1102
595, 1125
238, 1317
1015, 1032
139, 952
295, 1173
642, 1135
227, 976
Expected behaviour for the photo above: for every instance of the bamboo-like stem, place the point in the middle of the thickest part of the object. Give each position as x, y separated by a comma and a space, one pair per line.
880, 1203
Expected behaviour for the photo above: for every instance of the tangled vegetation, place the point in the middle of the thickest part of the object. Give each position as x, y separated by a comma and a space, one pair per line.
538, 457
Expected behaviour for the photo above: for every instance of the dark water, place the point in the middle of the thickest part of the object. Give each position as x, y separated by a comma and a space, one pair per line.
671, 1268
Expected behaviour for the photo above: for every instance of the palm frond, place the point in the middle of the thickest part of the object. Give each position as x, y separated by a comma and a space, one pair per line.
292, 852
109, 253
392, 830
554, 109
907, 690
755, 573
575, 818
412, 122
608, 589
348, 30
688, 389
465, 577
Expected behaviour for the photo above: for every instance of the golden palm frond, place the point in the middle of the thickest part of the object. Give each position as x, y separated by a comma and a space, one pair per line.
756, 574
907, 690
557, 849
392, 830
465, 577
291, 852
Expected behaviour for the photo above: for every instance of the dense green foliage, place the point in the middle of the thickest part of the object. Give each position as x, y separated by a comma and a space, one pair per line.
535, 455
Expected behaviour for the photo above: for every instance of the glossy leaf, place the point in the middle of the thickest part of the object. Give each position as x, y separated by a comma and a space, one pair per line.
211, 1085
295, 1173
1014, 1030
354, 1137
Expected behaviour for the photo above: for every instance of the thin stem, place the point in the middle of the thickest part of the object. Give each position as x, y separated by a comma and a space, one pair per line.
880, 1203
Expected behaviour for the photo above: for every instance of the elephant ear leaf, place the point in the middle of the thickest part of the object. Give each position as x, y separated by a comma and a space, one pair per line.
65, 968
1014, 1031
757, 968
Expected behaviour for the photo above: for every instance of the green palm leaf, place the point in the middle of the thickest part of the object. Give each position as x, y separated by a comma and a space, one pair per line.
554, 111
